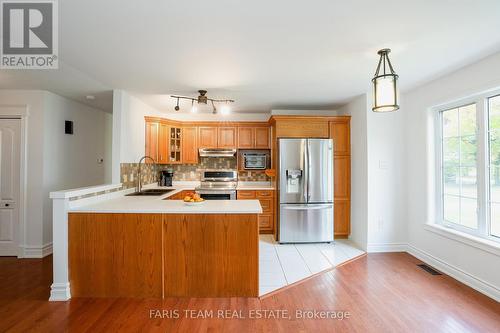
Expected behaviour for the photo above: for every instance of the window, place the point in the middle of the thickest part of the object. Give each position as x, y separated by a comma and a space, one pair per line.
460, 166
494, 163
469, 166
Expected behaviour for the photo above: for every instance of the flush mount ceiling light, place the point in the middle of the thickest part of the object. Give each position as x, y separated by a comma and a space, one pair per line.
385, 88
203, 99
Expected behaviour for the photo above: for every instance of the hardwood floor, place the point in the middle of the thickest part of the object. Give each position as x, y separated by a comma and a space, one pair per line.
382, 293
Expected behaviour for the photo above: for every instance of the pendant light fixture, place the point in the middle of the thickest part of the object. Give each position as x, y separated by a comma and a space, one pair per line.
385, 85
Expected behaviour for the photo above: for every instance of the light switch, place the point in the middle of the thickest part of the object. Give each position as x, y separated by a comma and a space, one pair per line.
383, 165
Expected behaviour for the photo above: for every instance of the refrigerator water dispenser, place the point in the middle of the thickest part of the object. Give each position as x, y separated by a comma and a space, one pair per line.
293, 181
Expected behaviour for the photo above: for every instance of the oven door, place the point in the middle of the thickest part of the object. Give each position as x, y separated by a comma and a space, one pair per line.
217, 195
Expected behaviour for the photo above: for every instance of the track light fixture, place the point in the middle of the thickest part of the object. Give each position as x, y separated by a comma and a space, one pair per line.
202, 99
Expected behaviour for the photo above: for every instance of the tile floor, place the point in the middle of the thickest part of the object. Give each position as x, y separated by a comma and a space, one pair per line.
284, 264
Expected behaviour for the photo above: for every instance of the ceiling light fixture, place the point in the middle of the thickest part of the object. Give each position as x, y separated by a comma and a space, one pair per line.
201, 99
385, 88
225, 109
214, 109
177, 108
194, 109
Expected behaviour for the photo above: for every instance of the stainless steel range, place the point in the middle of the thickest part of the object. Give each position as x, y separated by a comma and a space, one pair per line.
218, 184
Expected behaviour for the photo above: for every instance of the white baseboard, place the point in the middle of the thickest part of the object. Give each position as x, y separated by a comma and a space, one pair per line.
59, 292
29, 251
456, 273
387, 247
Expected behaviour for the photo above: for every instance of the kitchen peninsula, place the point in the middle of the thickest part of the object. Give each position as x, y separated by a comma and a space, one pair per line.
140, 246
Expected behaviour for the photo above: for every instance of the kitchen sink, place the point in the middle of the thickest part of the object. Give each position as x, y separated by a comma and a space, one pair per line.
152, 191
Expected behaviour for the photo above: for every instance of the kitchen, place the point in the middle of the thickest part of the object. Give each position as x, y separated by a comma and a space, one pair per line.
183, 165
287, 179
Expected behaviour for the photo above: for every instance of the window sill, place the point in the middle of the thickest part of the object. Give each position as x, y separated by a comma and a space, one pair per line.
477, 242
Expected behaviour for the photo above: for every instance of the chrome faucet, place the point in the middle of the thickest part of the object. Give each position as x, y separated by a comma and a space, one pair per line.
138, 188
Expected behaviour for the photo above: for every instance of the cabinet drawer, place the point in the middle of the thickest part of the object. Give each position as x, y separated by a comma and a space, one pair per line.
267, 205
264, 194
245, 195
265, 222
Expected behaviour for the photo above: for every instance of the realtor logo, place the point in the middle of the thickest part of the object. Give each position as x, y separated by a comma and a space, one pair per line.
29, 34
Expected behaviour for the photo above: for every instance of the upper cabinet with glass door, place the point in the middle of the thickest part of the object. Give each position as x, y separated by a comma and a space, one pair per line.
175, 145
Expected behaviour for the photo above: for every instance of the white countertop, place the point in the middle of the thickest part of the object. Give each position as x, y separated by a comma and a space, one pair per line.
157, 204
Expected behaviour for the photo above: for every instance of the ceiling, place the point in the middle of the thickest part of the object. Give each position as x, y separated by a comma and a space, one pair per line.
264, 54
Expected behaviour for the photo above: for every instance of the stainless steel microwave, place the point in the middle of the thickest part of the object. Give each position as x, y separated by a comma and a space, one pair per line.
255, 161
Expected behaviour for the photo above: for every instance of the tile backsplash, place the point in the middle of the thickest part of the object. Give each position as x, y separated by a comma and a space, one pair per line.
187, 172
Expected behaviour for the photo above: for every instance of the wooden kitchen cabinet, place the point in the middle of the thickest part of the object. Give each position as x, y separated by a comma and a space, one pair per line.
300, 127
342, 218
210, 255
340, 133
267, 202
245, 195
265, 224
162, 143
262, 138
342, 175
181, 195
226, 137
151, 140
115, 255
190, 145
254, 138
147, 255
246, 137
207, 137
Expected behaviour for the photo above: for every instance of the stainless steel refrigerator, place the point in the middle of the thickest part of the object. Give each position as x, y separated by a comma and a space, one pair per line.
305, 190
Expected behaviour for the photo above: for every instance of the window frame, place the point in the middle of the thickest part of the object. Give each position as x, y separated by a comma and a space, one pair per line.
482, 164
488, 164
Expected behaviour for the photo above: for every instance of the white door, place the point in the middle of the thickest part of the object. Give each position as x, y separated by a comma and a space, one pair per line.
10, 145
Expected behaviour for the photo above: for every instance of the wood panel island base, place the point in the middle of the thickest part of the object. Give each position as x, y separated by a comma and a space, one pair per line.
162, 255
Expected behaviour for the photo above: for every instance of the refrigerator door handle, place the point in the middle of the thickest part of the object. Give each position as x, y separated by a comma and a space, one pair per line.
308, 171
307, 207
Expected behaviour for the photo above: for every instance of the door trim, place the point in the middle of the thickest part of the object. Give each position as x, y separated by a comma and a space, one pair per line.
20, 112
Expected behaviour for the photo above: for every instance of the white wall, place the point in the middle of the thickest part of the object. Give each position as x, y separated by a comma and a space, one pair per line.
71, 161
481, 267
357, 109
387, 226
34, 101
55, 161
378, 203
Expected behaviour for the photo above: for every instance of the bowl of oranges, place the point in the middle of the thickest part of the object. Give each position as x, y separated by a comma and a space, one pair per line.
193, 199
